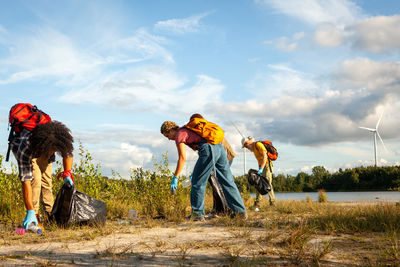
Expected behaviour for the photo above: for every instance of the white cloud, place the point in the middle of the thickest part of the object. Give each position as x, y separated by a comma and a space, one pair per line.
141, 46
48, 54
2, 29
376, 34
181, 26
314, 12
304, 110
328, 35
379, 77
280, 78
151, 88
284, 44
53, 54
306, 168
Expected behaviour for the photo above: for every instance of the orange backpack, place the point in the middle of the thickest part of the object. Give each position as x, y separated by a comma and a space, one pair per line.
208, 130
271, 150
24, 116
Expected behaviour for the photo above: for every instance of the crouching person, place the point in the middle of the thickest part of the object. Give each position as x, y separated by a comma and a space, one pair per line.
209, 156
35, 151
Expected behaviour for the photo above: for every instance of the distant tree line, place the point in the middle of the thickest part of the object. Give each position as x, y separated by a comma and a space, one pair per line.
355, 179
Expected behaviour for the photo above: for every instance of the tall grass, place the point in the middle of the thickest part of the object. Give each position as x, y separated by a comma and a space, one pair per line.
332, 217
145, 191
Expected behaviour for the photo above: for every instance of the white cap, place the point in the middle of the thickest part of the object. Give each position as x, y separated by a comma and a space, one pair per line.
246, 140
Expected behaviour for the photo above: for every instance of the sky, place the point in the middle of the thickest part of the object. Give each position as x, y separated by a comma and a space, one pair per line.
304, 74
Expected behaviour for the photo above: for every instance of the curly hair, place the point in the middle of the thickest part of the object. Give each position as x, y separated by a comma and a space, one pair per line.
196, 115
168, 126
50, 137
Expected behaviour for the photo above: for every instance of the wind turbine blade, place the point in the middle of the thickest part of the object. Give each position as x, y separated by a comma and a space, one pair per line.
377, 124
382, 141
369, 129
237, 129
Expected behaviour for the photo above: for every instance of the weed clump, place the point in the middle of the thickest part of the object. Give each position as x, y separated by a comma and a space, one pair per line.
322, 196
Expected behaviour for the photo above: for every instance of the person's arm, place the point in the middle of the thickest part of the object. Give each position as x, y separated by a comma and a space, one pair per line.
261, 149
67, 163
27, 194
264, 160
181, 158
67, 174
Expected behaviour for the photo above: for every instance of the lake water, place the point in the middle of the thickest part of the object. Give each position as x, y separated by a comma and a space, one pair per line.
387, 196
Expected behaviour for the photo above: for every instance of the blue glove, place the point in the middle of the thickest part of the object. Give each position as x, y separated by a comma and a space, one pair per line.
260, 171
29, 218
191, 176
174, 183
68, 180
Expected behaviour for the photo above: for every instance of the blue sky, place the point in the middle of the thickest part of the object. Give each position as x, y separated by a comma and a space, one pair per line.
302, 73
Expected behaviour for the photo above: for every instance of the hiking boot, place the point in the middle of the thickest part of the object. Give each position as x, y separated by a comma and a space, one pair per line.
211, 216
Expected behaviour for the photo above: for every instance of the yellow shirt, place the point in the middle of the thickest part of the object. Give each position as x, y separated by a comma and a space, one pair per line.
259, 152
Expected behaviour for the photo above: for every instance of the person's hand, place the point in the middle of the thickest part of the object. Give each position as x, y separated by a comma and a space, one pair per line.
260, 171
29, 218
68, 180
191, 176
174, 183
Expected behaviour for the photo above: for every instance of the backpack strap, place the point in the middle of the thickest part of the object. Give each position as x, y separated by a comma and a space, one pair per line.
269, 164
10, 139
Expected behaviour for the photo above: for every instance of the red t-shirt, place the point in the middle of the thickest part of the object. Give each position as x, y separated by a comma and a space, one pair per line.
187, 137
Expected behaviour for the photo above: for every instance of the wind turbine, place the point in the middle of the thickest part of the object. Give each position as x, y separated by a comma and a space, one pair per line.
244, 149
376, 133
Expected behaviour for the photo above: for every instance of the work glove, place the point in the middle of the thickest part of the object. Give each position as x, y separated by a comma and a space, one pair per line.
29, 218
68, 180
67, 177
174, 183
260, 171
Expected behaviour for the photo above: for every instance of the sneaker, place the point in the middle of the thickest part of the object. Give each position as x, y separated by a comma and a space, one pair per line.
211, 216
196, 218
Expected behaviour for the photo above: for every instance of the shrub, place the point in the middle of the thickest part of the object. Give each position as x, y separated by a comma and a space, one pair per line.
322, 196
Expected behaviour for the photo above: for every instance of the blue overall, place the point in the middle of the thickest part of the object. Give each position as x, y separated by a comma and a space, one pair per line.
208, 156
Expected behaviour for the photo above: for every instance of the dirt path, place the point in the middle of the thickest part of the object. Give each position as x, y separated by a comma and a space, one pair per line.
199, 244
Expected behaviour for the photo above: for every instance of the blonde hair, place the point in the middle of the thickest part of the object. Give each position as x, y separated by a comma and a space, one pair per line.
168, 126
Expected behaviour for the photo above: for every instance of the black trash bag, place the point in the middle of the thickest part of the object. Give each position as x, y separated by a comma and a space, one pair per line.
220, 205
259, 182
74, 207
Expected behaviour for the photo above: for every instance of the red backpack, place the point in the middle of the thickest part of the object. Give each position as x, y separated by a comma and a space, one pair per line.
271, 150
24, 116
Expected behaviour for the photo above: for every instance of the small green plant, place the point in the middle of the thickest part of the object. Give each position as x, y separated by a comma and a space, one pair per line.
322, 196
295, 249
321, 252
393, 253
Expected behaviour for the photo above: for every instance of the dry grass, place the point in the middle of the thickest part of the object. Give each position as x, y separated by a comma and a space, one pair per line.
291, 233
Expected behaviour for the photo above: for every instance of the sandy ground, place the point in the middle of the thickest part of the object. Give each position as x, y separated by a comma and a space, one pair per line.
189, 243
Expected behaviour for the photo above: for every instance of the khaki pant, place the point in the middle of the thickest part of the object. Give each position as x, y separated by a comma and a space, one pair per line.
42, 184
267, 172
